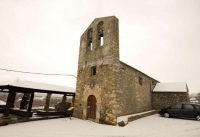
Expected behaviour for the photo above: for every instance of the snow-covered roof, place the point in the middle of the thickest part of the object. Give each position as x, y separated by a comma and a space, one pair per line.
2, 102
40, 86
171, 87
4, 84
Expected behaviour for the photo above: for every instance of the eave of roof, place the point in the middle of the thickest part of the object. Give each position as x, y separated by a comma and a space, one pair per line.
28, 86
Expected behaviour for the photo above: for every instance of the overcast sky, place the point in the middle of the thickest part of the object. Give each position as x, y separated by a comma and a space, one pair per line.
160, 38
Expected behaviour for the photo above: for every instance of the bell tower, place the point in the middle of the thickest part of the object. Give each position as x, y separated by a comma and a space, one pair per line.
98, 52
100, 42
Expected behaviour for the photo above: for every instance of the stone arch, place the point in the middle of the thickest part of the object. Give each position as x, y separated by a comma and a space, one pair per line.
100, 26
95, 92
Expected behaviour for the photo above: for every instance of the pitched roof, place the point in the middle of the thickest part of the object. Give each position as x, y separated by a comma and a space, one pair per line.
39, 86
171, 87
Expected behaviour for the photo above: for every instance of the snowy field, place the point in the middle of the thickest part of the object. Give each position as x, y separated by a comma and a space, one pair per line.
151, 126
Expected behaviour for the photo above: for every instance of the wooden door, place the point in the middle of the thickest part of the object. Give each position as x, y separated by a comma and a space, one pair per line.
91, 107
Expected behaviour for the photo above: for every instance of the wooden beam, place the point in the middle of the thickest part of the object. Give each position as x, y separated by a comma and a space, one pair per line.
9, 103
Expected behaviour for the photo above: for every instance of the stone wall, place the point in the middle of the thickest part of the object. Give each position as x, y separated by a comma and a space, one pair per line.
143, 93
132, 96
125, 90
165, 99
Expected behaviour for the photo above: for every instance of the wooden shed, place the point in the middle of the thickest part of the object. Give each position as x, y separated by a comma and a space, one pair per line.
28, 87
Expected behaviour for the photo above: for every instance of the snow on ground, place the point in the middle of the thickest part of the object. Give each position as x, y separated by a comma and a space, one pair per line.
151, 126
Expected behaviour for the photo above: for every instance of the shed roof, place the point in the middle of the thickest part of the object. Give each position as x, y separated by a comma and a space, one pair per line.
171, 87
37, 87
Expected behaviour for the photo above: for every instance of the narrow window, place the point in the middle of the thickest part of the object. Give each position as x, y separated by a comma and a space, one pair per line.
91, 46
101, 42
89, 39
140, 80
100, 33
93, 70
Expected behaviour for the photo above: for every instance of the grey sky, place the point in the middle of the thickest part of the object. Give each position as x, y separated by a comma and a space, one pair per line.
160, 38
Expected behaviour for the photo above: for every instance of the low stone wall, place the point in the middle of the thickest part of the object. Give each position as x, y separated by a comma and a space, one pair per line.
132, 118
137, 116
3, 122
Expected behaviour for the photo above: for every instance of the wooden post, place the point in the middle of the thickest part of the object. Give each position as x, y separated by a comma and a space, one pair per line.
9, 104
71, 109
31, 102
48, 99
63, 104
73, 99
13, 100
25, 101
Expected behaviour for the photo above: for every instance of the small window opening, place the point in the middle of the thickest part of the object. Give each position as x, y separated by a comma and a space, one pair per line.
100, 33
140, 80
101, 40
91, 46
93, 71
89, 37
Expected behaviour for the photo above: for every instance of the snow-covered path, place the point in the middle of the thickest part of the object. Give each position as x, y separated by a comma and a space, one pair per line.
151, 126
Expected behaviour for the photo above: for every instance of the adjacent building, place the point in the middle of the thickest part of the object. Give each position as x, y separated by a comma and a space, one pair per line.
167, 94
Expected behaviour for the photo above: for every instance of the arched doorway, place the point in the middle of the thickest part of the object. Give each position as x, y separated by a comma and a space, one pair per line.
91, 107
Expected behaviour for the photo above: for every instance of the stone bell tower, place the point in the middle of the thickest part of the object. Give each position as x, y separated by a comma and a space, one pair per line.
98, 54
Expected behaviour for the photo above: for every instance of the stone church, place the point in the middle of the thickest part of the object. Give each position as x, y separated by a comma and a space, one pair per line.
107, 87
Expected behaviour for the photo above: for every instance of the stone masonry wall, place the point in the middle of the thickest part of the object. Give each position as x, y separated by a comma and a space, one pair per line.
132, 96
165, 99
143, 93
125, 90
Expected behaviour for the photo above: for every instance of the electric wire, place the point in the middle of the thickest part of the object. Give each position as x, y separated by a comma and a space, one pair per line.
37, 72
